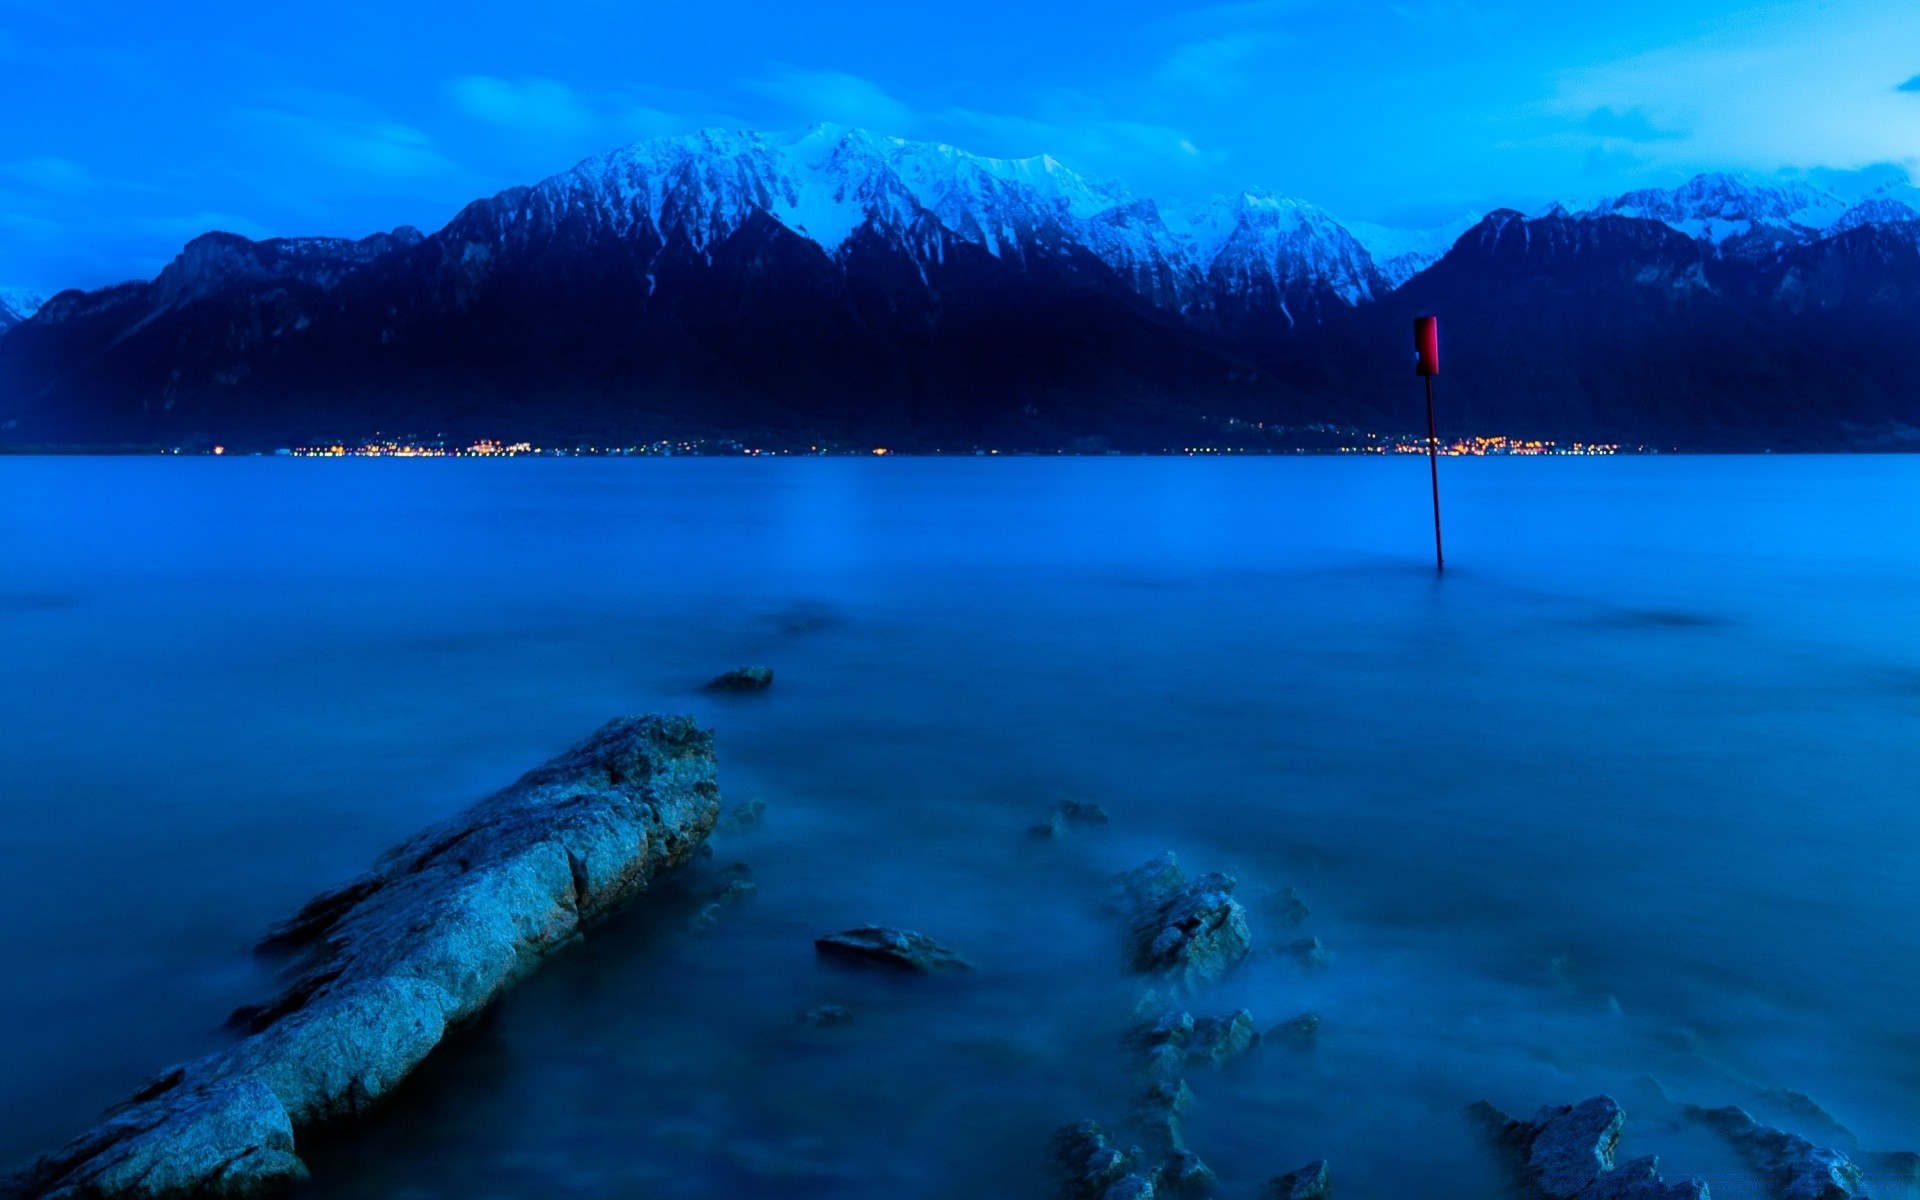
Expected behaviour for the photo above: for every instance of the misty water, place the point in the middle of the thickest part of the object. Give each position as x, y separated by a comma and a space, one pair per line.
1626, 802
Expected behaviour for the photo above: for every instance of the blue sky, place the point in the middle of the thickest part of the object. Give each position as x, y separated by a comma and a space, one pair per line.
129, 128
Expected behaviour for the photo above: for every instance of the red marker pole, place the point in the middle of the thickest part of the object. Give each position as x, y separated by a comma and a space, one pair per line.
1426, 344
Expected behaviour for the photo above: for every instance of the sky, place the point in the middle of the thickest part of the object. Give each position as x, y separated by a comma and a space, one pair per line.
129, 128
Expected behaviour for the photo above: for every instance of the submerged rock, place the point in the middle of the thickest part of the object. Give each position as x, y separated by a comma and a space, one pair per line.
897, 948
1285, 906
1310, 952
739, 817
826, 1015
1190, 930
1311, 1182
1566, 1153
427, 939
1069, 813
1794, 1167
1301, 1032
742, 679
736, 885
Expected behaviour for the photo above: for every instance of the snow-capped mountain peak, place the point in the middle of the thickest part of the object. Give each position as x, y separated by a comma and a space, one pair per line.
1403, 253
1734, 211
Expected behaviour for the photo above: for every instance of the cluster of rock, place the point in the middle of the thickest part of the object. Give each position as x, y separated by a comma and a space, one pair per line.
1566, 1152
1793, 1167
387, 964
1191, 931
1187, 932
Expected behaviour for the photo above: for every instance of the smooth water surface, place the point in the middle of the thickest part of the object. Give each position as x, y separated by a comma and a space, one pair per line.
1628, 800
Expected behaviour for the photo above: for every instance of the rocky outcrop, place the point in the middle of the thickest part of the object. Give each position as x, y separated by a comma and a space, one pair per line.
899, 949
1793, 1167
1189, 930
425, 940
742, 680
1067, 815
1311, 1182
1566, 1153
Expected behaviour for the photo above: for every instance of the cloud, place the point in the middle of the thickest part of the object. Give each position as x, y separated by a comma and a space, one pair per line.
1631, 125
58, 175
1911, 85
1216, 66
371, 146
1782, 85
837, 97
538, 107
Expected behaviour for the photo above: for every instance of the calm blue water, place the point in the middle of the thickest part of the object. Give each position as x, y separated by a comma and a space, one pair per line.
1631, 792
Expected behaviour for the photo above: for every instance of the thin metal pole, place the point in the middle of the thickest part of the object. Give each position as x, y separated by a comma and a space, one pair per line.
1433, 467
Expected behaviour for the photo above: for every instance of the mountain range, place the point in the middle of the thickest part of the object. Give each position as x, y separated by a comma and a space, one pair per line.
838, 287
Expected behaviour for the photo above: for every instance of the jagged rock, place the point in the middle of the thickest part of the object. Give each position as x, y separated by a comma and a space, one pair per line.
1311, 1182
826, 1015
1300, 1032
427, 939
1096, 1169
1159, 1111
1163, 1045
742, 679
897, 948
1171, 1041
743, 816
1285, 906
1192, 931
1183, 1174
1794, 1167
1310, 952
1217, 1039
1067, 814
1566, 1153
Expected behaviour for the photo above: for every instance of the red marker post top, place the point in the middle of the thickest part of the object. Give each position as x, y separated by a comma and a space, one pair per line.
1426, 342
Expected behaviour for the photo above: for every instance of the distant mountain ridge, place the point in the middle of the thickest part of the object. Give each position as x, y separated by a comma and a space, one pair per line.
840, 285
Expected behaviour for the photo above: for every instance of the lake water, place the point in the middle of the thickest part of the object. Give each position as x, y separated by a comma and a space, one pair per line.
1631, 794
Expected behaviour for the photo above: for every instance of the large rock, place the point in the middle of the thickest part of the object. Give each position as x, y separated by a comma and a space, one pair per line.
426, 939
1190, 930
1566, 1153
1794, 1167
898, 949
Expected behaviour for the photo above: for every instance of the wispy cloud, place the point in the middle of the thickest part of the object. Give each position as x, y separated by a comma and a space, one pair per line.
372, 147
1788, 84
838, 97
539, 107
1218, 66
62, 176
1630, 125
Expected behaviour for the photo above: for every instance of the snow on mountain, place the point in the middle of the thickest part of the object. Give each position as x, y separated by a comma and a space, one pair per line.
1736, 214
831, 182
1258, 237
16, 305
1876, 210
1403, 253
